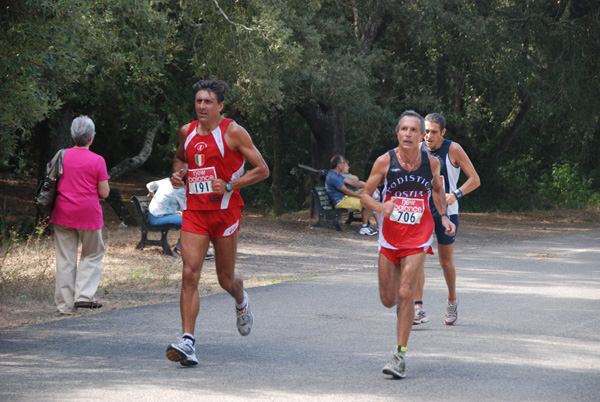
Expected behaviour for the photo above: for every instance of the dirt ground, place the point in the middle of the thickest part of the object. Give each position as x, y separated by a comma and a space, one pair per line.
271, 249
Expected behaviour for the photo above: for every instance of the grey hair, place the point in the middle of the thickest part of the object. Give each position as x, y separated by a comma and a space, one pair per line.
412, 113
82, 130
436, 118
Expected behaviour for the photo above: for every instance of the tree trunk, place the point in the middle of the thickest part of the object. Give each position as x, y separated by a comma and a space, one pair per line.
114, 199
585, 158
513, 125
277, 176
328, 136
53, 138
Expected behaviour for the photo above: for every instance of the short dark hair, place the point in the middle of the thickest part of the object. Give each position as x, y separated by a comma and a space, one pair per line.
213, 85
412, 113
436, 118
335, 160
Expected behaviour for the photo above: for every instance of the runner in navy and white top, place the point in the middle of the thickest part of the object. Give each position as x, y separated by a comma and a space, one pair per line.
452, 159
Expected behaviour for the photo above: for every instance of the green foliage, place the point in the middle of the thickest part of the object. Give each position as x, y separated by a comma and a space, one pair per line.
128, 63
565, 188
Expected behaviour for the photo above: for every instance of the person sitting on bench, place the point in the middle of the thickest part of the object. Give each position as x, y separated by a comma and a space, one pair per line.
166, 206
355, 184
343, 197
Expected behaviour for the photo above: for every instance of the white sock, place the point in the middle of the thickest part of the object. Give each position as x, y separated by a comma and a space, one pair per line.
190, 336
244, 302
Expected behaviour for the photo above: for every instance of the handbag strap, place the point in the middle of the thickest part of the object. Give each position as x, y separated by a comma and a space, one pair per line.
55, 167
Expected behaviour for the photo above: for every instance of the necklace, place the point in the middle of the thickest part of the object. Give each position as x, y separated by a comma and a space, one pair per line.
410, 165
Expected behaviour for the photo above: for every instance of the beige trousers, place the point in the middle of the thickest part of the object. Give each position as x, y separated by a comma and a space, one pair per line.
75, 284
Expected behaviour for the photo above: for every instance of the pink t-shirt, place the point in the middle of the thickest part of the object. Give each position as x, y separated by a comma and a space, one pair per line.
77, 204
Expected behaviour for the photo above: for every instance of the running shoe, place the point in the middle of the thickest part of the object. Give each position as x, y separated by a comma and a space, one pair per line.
451, 312
420, 315
395, 367
210, 254
182, 352
245, 318
367, 231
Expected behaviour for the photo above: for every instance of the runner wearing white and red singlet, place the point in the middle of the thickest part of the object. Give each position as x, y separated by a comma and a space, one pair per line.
211, 156
410, 176
208, 158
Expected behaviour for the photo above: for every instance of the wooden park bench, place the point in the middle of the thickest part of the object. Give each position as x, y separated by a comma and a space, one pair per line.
328, 214
141, 204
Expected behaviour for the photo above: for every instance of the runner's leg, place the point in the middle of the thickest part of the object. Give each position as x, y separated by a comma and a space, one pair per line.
446, 255
411, 268
389, 281
193, 250
225, 256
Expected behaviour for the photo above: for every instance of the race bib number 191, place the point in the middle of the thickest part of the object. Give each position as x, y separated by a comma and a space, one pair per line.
408, 211
199, 180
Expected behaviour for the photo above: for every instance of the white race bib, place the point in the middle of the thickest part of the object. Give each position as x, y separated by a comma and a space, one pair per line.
199, 180
408, 211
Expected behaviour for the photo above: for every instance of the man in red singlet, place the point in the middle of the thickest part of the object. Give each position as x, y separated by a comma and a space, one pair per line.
211, 155
410, 176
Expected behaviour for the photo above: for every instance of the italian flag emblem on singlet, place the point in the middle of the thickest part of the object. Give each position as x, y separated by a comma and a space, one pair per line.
200, 159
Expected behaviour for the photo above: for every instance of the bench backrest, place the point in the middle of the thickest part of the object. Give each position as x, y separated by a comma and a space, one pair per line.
322, 198
141, 204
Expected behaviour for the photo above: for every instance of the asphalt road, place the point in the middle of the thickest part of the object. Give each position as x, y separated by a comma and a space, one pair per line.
528, 330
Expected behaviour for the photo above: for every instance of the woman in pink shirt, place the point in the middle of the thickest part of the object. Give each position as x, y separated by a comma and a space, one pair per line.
77, 217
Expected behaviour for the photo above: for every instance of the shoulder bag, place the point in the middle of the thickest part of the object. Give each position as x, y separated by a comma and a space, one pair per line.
47, 189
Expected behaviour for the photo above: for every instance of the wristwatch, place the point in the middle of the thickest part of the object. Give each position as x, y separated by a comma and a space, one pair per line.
446, 215
228, 187
458, 194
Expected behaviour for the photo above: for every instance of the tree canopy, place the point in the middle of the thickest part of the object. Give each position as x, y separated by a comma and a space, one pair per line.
516, 80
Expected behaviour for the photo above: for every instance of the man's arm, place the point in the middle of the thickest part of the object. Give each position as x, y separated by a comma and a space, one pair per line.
439, 196
349, 192
238, 139
179, 163
378, 172
459, 158
354, 182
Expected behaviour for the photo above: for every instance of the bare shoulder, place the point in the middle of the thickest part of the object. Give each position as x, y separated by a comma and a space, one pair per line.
235, 129
236, 132
458, 156
237, 138
455, 147
184, 130
383, 159
381, 166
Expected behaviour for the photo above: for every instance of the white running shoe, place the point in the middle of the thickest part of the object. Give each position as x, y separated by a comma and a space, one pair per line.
451, 312
182, 352
396, 367
245, 318
420, 315
367, 231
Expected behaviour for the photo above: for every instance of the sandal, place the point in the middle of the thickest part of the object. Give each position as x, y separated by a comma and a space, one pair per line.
92, 304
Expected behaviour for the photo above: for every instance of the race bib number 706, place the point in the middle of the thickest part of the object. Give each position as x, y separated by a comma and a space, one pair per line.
199, 180
408, 211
